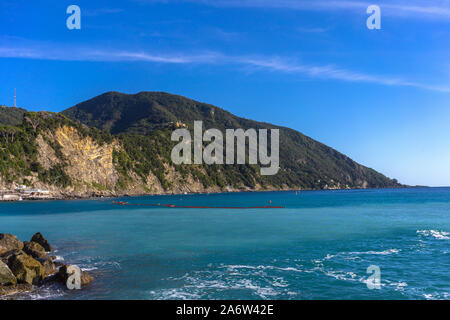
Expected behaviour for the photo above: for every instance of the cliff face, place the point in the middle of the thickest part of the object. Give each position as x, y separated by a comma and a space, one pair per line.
90, 167
88, 164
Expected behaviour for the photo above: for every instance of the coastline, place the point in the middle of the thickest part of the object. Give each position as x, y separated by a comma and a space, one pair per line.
94, 196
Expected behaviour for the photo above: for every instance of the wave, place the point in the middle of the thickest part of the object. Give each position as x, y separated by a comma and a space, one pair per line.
441, 235
173, 294
88, 268
437, 296
385, 252
261, 267
198, 288
258, 281
351, 255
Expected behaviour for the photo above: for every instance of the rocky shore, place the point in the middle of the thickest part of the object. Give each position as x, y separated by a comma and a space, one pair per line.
24, 266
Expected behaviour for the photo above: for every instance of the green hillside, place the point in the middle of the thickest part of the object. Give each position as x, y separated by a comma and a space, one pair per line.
11, 116
143, 120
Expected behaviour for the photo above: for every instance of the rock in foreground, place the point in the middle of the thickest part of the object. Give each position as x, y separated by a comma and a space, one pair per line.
9, 242
39, 238
23, 266
34, 249
7, 277
63, 275
26, 269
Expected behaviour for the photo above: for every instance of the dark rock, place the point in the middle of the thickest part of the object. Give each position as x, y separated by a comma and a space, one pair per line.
9, 242
63, 275
39, 238
7, 277
48, 265
25, 268
35, 250
5, 257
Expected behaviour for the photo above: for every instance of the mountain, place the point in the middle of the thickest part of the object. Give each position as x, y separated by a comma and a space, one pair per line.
305, 163
120, 144
143, 112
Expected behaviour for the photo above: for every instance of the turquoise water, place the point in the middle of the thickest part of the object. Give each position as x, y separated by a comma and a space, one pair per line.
318, 247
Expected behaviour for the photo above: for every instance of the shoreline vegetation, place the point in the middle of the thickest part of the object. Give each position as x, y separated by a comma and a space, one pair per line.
26, 266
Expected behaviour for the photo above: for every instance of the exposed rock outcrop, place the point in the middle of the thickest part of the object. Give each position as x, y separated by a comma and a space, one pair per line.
63, 275
39, 238
91, 163
24, 266
7, 278
48, 265
9, 242
34, 249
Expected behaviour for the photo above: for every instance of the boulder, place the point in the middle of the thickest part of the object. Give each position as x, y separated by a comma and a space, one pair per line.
86, 278
7, 278
39, 238
63, 275
25, 268
48, 265
35, 250
9, 242
5, 256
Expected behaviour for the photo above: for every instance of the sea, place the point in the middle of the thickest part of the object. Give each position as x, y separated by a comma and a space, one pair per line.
347, 244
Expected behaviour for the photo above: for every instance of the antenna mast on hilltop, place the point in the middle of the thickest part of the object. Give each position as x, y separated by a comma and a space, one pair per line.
14, 97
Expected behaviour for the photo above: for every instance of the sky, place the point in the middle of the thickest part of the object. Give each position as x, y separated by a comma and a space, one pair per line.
382, 97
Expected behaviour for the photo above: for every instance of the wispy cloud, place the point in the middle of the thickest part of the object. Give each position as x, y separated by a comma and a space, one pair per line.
405, 8
101, 11
336, 73
88, 54
255, 63
312, 29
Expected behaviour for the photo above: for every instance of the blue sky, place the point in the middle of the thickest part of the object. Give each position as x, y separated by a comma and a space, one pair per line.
380, 96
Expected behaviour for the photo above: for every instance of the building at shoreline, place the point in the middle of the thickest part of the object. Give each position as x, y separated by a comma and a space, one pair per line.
22, 192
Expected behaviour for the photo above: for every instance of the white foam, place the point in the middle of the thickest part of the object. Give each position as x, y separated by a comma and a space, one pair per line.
342, 275
89, 268
441, 235
354, 255
262, 267
174, 294
385, 252
398, 286
237, 278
